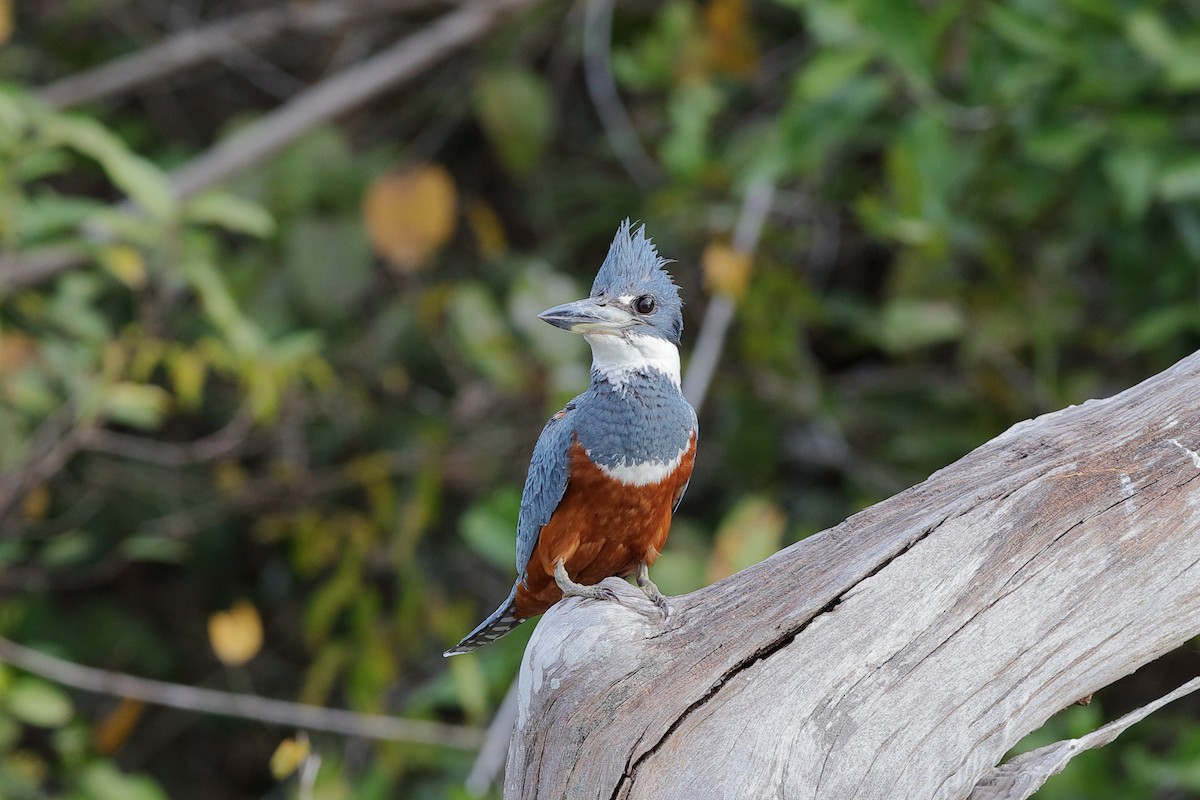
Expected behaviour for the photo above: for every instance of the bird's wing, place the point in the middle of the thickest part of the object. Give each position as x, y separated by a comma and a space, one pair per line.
545, 484
683, 489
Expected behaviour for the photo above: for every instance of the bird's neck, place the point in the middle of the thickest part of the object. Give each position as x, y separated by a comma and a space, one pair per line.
617, 359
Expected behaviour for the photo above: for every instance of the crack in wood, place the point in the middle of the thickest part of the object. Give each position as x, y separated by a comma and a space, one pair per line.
625, 784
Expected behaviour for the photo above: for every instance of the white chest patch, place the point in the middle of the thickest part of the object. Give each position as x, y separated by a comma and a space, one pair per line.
617, 358
645, 473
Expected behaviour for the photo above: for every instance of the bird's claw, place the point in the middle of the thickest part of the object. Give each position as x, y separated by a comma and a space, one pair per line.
570, 588
651, 591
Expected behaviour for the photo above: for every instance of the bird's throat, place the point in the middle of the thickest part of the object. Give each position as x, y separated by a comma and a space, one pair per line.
618, 358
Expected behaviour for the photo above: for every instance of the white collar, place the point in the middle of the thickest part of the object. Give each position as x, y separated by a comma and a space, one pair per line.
619, 357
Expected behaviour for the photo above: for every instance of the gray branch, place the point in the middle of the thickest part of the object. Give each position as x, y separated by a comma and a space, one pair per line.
229, 704
215, 40
902, 653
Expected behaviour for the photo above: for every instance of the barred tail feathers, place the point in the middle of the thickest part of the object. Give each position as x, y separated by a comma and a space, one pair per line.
500, 622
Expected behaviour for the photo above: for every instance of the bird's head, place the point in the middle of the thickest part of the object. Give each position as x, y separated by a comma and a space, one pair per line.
634, 318
632, 295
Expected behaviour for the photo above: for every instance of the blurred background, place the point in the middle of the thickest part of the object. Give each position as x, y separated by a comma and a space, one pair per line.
271, 372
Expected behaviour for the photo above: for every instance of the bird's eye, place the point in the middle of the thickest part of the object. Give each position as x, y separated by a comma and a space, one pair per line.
644, 304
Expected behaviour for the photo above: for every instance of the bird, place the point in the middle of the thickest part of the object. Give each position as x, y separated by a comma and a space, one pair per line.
608, 470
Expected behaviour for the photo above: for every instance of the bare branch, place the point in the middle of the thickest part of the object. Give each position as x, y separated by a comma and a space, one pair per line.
170, 454
57, 438
597, 65
719, 314
489, 764
35, 266
1023, 775
214, 41
229, 704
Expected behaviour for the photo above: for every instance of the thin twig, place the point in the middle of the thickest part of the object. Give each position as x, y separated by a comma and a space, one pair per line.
597, 66
490, 761
260, 709
213, 41
171, 454
57, 438
719, 314
308, 776
35, 266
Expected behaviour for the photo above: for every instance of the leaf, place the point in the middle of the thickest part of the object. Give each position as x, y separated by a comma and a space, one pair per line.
1150, 34
750, 532
188, 370
125, 263
236, 635
829, 70
6, 20
101, 780
471, 682
69, 549
1179, 60
691, 110
490, 527
114, 728
231, 212
39, 703
410, 214
153, 547
46, 217
732, 48
726, 271
36, 502
1131, 173
289, 755
139, 405
488, 229
482, 335
1062, 145
911, 324
328, 265
1180, 181
513, 108
16, 351
137, 177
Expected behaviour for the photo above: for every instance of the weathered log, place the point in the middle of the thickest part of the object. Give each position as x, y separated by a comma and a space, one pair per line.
902, 653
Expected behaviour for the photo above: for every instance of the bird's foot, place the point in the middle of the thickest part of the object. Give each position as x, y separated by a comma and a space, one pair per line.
570, 588
650, 590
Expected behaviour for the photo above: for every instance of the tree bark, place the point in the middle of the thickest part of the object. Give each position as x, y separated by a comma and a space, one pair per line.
902, 653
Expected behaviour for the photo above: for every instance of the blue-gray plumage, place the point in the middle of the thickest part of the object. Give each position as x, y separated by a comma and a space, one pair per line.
609, 469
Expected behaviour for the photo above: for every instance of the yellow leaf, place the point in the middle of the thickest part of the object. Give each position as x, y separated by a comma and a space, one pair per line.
140, 405
36, 503
112, 731
489, 232
187, 377
289, 755
731, 45
16, 350
726, 271
6, 20
229, 477
236, 635
752, 531
125, 263
410, 214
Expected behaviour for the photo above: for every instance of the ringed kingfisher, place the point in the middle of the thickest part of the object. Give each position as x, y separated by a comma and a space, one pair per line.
610, 468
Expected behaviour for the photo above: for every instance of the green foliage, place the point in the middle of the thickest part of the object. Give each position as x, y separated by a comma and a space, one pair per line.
983, 213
